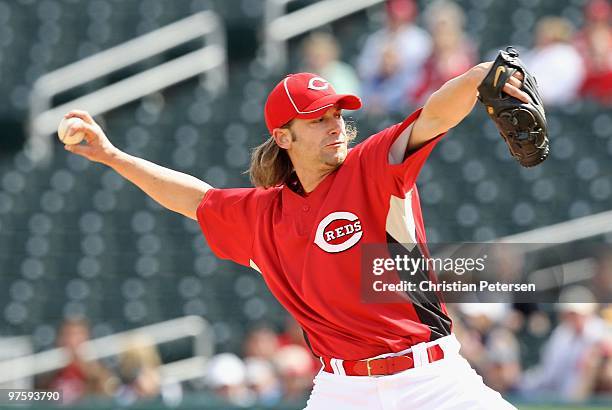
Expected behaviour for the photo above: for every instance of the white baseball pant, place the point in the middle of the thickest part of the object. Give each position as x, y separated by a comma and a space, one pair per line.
447, 384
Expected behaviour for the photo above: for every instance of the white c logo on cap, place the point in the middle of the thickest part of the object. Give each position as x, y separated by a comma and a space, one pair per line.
324, 84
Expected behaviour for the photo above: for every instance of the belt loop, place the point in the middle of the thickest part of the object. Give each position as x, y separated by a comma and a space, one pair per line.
338, 367
419, 354
450, 345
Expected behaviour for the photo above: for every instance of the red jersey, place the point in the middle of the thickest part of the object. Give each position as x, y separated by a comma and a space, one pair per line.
307, 248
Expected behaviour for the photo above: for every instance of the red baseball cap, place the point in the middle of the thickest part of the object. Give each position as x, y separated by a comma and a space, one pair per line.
303, 95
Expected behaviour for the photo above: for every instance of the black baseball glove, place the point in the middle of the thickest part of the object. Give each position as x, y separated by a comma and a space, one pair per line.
522, 125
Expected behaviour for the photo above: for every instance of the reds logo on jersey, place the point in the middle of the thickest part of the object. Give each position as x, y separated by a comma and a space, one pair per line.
338, 232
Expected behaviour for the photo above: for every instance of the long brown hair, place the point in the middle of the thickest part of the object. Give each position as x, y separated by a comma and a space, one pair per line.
271, 165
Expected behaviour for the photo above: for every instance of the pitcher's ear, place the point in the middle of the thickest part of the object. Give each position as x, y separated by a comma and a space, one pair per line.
283, 137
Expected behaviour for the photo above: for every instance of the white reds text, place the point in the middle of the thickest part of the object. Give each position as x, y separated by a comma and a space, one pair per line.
351, 230
343, 231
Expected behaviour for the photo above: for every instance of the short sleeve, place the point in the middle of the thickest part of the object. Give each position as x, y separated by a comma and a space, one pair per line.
228, 219
395, 178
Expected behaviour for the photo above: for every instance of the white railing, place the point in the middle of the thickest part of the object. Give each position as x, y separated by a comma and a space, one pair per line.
575, 271
211, 59
189, 326
11, 347
280, 27
184, 370
564, 232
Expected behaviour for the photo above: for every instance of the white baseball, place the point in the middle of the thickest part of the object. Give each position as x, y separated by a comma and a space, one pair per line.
64, 126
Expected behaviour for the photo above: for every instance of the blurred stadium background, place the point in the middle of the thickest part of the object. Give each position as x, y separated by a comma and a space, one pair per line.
85, 255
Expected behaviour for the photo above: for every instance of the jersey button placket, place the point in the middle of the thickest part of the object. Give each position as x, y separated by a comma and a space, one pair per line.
304, 223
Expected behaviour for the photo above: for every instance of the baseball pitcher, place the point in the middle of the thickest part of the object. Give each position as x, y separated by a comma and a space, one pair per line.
316, 202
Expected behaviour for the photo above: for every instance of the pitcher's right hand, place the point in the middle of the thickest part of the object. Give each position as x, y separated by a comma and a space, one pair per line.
97, 147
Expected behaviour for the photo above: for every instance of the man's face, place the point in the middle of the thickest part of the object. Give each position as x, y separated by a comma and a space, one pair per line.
320, 142
576, 320
72, 335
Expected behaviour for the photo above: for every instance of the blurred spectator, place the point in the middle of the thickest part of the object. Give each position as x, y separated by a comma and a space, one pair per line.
79, 378
501, 369
139, 372
262, 379
226, 377
321, 55
392, 58
484, 316
471, 340
477, 320
294, 335
261, 342
553, 49
293, 364
453, 51
595, 45
602, 279
565, 359
386, 92
602, 369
